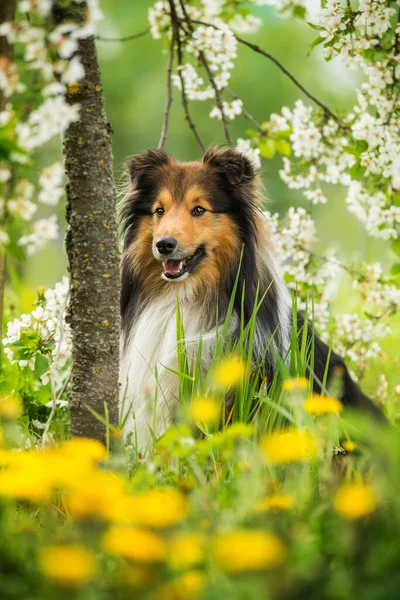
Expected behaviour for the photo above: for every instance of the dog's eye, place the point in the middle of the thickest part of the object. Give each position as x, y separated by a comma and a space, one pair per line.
198, 211
159, 212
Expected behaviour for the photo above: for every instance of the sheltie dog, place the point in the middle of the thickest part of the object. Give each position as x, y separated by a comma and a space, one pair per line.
195, 232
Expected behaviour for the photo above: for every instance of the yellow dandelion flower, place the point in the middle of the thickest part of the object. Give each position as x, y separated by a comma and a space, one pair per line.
69, 565
185, 587
84, 500
136, 544
322, 405
20, 484
293, 385
186, 551
229, 372
349, 445
245, 550
158, 508
354, 500
274, 502
10, 406
204, 410
292, 445
83, 449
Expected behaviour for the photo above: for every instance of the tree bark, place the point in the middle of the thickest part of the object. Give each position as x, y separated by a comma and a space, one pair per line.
7, 13
92, 248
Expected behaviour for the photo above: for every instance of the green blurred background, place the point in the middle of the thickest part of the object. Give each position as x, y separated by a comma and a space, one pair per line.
134, 79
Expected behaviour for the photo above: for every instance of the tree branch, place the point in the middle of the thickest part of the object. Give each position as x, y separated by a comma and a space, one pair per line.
246, 113
164, 130
284, 70
204, 61
185, 103
128, 38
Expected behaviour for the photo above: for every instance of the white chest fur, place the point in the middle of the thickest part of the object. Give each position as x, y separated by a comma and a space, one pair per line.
149, 391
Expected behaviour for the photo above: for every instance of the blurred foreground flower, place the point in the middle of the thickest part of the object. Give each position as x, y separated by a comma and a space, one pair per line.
293, 445
204, 410
229, 372
135, 544
322, 405
245, 550
10, 406
158, 508
293, 385
69, 565
186, 551
354, 500
349, 445
185, 587
274, 502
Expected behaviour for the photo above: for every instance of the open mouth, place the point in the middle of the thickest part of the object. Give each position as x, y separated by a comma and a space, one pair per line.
174, 269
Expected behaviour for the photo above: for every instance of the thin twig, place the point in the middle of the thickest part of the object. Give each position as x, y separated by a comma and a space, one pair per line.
128, 38
246, 113
217, 92
168, 103
351, 272
284, 70
185, 103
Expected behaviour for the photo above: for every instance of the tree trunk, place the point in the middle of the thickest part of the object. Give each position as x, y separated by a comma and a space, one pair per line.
92, 248
7, 13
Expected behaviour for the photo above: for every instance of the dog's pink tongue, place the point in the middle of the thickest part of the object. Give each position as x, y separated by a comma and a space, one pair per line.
173, 266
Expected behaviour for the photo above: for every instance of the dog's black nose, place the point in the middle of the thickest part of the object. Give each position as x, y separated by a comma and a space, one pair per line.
166, 245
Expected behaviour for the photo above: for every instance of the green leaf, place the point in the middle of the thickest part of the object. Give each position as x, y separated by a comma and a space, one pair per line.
315, 27
316, 42
251, 132
396, 199
267, 148
41, 365
350, 150
299, 12
283, 147
361, 146
357, 171
395, 270
395, 246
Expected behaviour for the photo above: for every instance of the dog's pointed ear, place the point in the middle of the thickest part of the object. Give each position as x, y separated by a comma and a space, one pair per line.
146, 162
231, 164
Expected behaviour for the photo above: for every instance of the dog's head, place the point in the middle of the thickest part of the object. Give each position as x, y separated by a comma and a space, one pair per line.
188, 221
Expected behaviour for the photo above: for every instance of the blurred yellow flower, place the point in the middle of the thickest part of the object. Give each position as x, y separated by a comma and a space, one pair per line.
83, 449
349, 445
30, 485
136, 544
285, 446
186, 551
322, 405
245, 550
10, 406
84, 500
204, 410
354, 500
276, 501
293, 385
158, 508
69, 565
185, 587
229, 372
